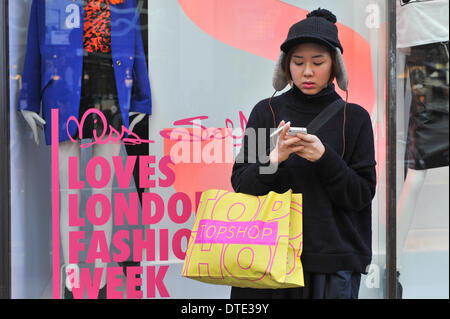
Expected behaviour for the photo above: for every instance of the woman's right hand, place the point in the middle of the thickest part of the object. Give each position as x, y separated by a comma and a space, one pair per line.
285, 145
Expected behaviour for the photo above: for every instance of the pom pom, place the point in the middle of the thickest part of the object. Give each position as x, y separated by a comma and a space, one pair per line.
323, 13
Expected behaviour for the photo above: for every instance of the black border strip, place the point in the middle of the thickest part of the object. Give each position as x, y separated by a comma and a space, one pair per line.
5, 171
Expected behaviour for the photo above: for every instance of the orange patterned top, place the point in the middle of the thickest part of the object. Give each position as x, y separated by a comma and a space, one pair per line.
97, 26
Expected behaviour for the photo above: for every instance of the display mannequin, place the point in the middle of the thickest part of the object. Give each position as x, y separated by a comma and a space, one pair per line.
99, 78
422, 32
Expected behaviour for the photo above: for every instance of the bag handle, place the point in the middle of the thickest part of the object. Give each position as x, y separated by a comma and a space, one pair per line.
325, 116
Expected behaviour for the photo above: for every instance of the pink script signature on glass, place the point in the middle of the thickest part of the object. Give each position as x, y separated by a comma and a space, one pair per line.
126, 136
203, 133
114, 137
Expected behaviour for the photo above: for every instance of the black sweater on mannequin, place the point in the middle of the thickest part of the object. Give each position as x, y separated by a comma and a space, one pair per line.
337, 192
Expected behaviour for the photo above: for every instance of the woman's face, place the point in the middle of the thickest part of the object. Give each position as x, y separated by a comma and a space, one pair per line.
311, 65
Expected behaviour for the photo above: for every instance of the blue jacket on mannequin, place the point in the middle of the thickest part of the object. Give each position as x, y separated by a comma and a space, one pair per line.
54, 62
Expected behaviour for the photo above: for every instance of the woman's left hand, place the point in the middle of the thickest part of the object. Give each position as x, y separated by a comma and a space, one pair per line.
312, 149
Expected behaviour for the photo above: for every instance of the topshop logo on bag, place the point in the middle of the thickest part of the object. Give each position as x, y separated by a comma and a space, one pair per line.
221, 232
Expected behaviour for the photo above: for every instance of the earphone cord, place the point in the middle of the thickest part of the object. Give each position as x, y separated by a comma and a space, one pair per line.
273, 115
343, 124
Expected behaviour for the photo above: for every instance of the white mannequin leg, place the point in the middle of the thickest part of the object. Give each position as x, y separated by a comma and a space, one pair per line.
66, 149
107, 151
406, 207
69, 149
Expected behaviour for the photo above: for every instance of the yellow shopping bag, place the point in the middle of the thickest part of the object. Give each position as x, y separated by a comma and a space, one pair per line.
247, 241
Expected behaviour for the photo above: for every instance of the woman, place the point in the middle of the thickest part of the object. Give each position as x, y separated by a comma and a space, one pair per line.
334, 168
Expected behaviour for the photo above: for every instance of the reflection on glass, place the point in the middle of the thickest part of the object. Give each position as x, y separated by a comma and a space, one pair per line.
86, 60
423, 120
206, 67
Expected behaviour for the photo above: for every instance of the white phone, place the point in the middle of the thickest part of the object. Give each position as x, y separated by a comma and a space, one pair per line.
294, 130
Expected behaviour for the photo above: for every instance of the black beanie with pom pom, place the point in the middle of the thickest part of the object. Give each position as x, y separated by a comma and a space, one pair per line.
319, 26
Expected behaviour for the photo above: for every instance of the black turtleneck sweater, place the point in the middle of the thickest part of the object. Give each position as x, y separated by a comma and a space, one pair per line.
337, 192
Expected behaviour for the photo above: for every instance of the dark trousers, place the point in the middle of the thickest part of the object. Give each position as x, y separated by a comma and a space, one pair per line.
338, 285
98, 91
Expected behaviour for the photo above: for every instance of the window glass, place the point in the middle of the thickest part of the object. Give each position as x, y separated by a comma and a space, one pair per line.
86, 208
422, 146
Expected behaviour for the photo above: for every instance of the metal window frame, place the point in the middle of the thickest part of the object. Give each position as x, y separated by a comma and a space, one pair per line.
391, 152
